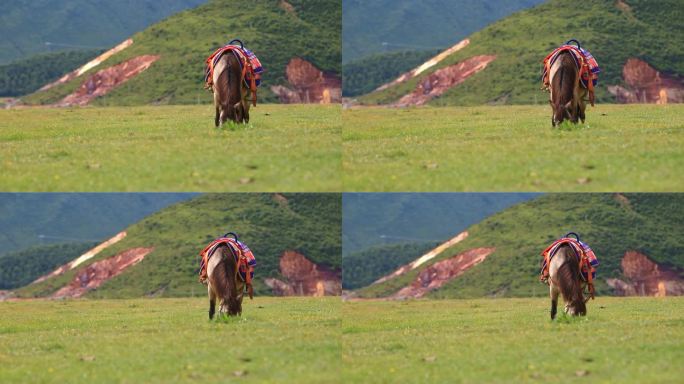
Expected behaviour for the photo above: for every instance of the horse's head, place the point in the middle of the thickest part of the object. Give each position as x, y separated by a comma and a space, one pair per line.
577, 307
561, 112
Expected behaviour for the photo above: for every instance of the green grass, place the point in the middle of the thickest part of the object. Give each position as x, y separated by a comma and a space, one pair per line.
625, 340
284, 148
169, 340
512, 148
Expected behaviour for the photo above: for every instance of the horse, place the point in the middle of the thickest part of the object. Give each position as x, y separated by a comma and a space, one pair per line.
565, 278
224, 282
567, 97
230, 91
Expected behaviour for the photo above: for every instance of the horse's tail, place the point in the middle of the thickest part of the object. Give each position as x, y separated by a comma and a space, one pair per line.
568, 281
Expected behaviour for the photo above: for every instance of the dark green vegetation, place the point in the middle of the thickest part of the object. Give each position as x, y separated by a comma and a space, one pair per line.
185, 40
513, 148
365, 75
26, 26
289, 148
361, 268
306, 223
277, 340
611, 224
379, 219
28, 219
649, 30
622, 340
416, 24
27, 75
19, 268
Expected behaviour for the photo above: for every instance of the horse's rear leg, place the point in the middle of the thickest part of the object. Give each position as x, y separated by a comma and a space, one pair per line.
554, 301
212, 303
218, 115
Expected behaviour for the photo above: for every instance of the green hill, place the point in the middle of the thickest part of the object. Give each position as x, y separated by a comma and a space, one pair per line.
381, 26
269, 224
19, 268
649, 223
28, 219
648, 30
26, 26
274, 31
388, 218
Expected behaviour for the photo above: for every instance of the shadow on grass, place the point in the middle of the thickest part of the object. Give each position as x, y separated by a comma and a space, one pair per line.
232, 126
567, 125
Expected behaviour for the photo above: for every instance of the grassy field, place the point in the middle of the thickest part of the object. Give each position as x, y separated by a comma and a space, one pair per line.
169, 340
633, 340
176, 148
512, 148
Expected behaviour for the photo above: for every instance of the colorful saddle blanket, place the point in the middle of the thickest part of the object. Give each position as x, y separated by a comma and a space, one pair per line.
249, 65
586, 64
587, 260
244, 257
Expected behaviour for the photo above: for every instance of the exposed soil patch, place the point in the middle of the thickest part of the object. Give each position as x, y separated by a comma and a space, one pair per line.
645, 84
97, 273
107, 79
424, 258
440, 81
426, 65
308, 84
646, 278
287, 7
304, 278
440, 273
623, 200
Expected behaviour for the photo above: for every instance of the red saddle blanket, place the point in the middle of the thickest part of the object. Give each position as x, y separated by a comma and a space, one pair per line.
586, 64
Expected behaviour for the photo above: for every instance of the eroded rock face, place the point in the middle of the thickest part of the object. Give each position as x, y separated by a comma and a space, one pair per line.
103, 81
646, 278
304, 278
308, 84
98, 272
440, 273
440, 81
645, 84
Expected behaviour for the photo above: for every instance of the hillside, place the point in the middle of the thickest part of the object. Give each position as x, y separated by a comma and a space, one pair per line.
616, 226
380, 26
28, 219
76, 23
165, 63
389, 218
162, 249
638, 44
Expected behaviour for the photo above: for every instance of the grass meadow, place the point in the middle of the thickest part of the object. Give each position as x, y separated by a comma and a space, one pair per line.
169, 340
621, 340
513, 148
287, 148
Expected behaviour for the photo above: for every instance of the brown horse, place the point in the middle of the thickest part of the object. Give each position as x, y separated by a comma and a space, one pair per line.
565, 278
224, 282
230, 91
567, 96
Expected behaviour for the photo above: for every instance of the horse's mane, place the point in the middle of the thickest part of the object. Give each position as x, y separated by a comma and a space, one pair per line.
568, 279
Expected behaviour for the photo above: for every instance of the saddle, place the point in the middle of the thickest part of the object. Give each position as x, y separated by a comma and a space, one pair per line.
250, 67
244, 259
587, 260
586, 64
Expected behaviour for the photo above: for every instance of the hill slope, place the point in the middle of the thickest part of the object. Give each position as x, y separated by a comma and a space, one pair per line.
275, 30
611, 224
74, 23
61, 217
614, 32
270, 224
378, 26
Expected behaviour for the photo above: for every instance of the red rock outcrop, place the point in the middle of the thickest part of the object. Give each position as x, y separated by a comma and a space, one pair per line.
645, 84
103, 81
308, 84
98, 272
646, 278
440, 81
304, 278
440, 273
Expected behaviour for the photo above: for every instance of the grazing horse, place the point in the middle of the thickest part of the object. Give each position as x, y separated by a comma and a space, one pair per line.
567, 96
565, 278
224, 282
230, 91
